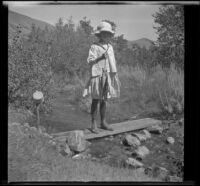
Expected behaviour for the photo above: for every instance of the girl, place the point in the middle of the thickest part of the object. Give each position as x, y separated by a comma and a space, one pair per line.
104, 82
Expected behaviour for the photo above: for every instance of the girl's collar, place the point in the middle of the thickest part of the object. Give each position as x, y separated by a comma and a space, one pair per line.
98, 43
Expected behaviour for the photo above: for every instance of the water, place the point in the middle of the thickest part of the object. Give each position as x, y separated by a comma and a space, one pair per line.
65, 116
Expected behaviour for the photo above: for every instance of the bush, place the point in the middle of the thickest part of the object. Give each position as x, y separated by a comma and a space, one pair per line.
28, 71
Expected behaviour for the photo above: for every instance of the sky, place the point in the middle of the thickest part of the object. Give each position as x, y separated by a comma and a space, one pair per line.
133, 20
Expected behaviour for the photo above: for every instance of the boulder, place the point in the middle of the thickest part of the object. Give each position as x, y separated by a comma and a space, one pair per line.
76, 141
134, 163
141, 137
131, 140
155, 129
64, 149
141, 152
146, 133
170, 140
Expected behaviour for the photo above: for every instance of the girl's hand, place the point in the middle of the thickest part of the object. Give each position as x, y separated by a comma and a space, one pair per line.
112, 74
105, 55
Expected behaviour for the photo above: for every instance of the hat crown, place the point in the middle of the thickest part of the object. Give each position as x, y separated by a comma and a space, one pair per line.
104, 26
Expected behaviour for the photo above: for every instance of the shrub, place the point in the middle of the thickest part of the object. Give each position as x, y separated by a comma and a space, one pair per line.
28, 71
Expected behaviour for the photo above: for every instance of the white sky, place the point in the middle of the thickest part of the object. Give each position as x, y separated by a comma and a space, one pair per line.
134, 21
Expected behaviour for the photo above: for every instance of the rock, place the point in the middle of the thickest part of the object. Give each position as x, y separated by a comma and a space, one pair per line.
26, 125
141, 152
160, 172
33, 129
148, 170
134, 117
46, 135
181, 122
111, 138
141, 170
141, 137
134, 163
131, 140
79, 156
52, 142
64, 149
76, 141
173, 179
156, 129
170, 140
42, 129
147, 134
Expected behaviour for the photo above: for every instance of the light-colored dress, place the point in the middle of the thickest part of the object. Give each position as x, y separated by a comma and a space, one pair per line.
103, 82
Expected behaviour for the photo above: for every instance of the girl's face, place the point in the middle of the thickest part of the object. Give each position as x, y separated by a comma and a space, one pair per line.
105, 36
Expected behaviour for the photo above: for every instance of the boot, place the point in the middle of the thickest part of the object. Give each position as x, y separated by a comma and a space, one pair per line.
94, 115
104, 124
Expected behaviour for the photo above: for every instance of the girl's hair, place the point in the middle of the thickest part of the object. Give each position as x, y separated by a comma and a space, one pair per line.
99, 34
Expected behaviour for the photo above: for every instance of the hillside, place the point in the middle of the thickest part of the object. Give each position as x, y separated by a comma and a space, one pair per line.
143, 42
25, 22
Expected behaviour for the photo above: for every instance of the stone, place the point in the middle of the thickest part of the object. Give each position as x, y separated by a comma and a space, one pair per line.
33, 129
46, 135
160, 172
147, 134
148, 170
173, 179
110, 138
134, 163
79, 156
52, 142
141, 152
181, 122
76, 141
155, 129
64, 149
170, 140
141, 137
26, 125
131, 140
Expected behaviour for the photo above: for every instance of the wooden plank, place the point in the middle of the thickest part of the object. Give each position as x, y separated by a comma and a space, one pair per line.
125, 127
121, 127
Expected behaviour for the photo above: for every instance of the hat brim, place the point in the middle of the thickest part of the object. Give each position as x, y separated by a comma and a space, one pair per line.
104, 30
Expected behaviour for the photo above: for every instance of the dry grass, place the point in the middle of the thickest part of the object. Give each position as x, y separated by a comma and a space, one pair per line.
156, 90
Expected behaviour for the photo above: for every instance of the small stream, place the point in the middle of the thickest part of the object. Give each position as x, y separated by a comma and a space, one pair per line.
67, 116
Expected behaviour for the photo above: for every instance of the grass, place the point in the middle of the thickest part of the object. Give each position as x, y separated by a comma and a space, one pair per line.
154, 91
32, 158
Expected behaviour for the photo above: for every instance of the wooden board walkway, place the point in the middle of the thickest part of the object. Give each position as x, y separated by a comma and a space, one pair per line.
121, 127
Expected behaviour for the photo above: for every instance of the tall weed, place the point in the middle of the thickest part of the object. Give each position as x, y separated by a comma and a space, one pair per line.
147, 91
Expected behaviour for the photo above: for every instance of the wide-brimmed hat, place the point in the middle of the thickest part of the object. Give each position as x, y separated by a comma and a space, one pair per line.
104, 27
